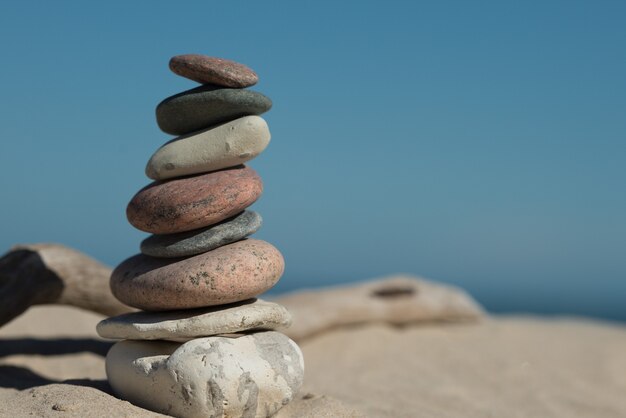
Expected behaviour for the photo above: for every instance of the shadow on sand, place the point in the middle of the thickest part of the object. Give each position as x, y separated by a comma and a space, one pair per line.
21, 378
49, 347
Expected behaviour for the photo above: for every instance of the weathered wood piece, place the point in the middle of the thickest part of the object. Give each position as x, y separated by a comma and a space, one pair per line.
54, 274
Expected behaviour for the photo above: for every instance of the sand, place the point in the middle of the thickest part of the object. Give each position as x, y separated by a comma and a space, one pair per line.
505, 367
499, 367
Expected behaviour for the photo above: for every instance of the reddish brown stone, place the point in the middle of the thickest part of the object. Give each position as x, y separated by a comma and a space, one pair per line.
211, 70
231, 273
188, 203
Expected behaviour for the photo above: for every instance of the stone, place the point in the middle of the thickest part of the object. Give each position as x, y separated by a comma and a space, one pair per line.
249, 376
212, 70
184, 204
228, 274
222, 146
208, 105
202, 240
252, 314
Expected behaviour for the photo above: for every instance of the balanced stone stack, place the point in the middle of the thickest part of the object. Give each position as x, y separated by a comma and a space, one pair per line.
204, 346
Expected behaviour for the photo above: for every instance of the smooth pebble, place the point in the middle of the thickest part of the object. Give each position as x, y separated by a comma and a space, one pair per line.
228, 274
253, 314
212, 70
208, 105
187, 203
222, 146
198, 241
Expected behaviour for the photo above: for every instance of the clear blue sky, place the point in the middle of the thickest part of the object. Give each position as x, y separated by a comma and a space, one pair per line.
476, 143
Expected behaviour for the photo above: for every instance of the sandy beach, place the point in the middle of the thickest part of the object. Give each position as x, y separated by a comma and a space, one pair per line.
52, 364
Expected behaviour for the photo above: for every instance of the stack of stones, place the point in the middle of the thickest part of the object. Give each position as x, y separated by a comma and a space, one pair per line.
204, 346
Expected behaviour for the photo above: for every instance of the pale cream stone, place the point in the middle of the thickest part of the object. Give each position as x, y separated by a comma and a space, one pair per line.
222, 146
188, 324
253, 375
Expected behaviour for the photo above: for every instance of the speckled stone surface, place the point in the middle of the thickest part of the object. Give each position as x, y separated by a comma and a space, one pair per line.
228, 274
212, 70
222, 146
250, 376
207, 105
188, 203
253, 314
202, 240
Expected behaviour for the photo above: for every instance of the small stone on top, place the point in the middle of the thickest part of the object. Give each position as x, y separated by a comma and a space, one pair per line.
212, 70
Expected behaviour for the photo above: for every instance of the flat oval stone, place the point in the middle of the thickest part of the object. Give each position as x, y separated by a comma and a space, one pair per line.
250, 376
202, 240
184, 204
222, 146
228, 274
254, 314
212, 70
208, 105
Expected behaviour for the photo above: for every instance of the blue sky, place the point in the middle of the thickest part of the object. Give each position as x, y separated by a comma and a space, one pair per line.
476, 143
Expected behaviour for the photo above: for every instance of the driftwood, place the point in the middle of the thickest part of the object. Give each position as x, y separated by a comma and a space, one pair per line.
396, 300
51, 273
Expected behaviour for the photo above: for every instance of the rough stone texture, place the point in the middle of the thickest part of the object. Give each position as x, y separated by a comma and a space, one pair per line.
202, 240
189, 324
50, 344
249, 376
222, 146
189, 203
398, 300
207, 105
228, 274
212, 70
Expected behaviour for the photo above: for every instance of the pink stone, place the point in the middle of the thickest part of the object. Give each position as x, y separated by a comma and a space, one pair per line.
211, 70
188, 203
228, 274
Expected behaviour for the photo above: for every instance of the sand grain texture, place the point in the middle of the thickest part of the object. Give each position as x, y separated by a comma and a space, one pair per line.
497, 367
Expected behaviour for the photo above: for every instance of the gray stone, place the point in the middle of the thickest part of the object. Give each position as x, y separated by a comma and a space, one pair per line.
249, 376
202, 240
206, 106
254, 314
